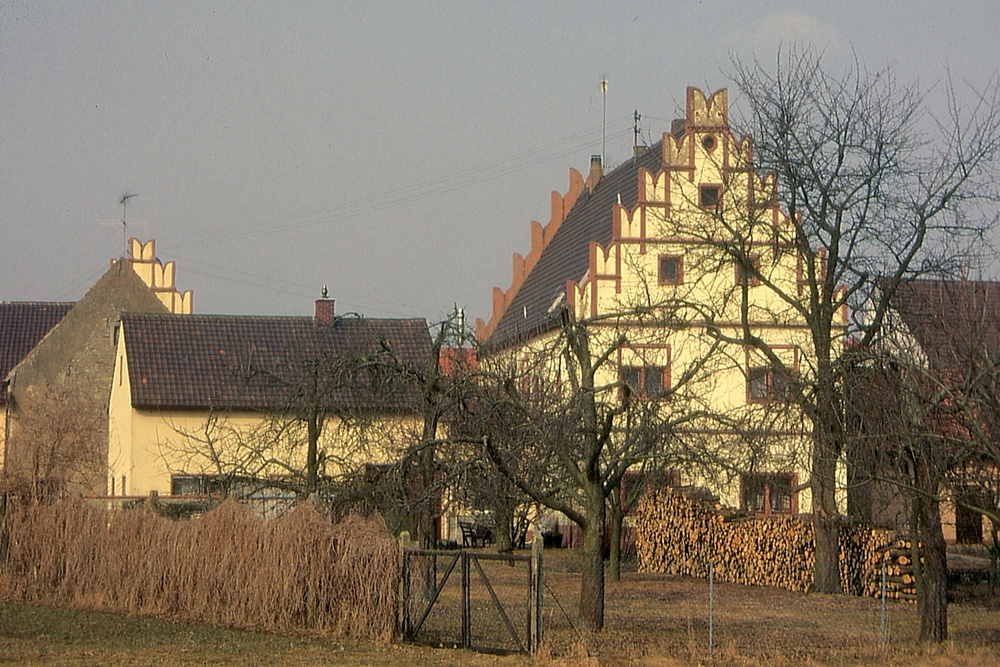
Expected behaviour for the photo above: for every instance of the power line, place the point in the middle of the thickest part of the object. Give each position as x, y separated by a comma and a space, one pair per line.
417, 192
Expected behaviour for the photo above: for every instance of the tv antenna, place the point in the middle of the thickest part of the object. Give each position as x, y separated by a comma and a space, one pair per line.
604, 123
124, 203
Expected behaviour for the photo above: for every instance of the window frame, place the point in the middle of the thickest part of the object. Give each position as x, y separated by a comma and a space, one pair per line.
770, 483
706, 187
775, 392
642, 373
678, 265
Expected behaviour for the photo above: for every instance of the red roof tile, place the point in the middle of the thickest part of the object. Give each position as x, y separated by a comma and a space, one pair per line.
262, 363
22, 325
951, 319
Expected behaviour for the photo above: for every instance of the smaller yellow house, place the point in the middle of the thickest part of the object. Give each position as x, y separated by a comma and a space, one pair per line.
200, 399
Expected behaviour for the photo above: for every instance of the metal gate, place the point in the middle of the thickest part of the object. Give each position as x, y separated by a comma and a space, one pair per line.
495, 606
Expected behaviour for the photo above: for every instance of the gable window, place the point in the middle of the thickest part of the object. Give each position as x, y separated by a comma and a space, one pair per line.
769, 493
709, 196
768, 385
671, 270
747, 272
647, 382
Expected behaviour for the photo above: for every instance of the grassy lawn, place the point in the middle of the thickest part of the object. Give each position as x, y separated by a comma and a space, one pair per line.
651, 619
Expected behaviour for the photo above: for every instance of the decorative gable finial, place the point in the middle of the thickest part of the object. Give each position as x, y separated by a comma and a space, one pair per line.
711, 112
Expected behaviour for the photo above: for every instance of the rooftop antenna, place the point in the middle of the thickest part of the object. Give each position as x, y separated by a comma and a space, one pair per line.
636, 117
124, 203
604, 123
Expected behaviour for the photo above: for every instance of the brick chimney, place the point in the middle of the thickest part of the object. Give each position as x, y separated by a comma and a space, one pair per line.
596, 173
325, 313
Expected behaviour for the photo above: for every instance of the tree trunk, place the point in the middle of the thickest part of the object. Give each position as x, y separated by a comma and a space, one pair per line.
313, 431
503, 527
826, 578
592, 575
617, 517
932, 573
426, 505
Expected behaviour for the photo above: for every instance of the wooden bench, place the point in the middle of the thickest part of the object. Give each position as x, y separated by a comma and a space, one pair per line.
475, 535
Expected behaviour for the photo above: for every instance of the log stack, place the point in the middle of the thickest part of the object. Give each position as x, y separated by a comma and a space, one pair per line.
684, 530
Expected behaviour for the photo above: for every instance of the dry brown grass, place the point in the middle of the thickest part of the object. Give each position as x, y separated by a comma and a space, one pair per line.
228, 567
652, 619
231, 568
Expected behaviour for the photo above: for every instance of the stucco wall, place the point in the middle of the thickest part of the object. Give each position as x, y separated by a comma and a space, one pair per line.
147, 446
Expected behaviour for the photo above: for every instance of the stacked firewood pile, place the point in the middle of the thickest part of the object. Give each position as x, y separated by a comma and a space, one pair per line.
900, 581
685, 530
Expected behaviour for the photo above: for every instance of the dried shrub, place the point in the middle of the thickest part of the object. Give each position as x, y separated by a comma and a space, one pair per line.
228, 567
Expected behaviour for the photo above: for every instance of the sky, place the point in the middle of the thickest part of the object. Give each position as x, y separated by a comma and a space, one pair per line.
393, 151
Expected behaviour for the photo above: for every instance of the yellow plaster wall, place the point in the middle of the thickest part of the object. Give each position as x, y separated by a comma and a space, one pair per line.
147, 446
119, 421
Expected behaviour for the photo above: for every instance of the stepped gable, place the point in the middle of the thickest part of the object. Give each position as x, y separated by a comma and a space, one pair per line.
22, 325
567, 255
205, 361
158, 276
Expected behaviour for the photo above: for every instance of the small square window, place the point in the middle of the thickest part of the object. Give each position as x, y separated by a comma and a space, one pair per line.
671, 271
710, 195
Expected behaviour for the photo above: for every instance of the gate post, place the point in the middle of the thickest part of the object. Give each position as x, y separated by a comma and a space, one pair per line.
403, 613
466, 602
535, 593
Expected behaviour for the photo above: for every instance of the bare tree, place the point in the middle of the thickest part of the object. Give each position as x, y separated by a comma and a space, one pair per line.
58, 448
582, 425
902, 431
877, 187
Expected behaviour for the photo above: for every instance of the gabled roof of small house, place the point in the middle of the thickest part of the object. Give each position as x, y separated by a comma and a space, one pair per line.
566, 257
951, 319
231, 362
22, 325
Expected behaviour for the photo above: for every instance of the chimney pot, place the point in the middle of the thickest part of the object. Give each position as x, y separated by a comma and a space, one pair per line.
596, 173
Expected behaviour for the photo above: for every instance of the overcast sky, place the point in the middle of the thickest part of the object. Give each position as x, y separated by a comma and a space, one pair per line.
395, 152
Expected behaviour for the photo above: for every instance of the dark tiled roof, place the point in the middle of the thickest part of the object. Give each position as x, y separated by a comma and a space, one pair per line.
260, 363
951, 319
567, 256
22, 325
